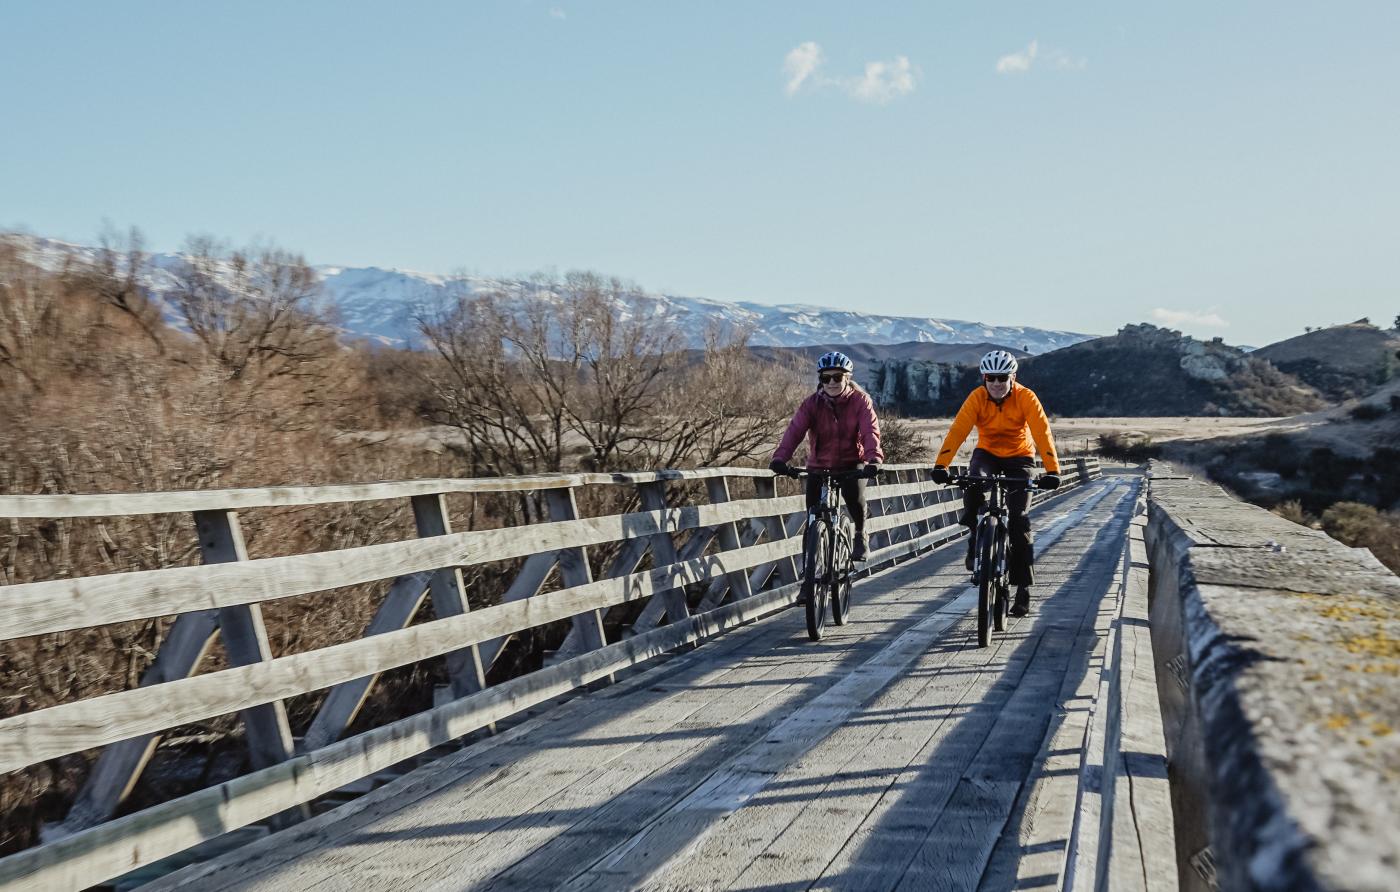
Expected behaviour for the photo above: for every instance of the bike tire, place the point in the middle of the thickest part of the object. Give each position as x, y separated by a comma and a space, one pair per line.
1003, 591
814, 573
840, 579
986, 582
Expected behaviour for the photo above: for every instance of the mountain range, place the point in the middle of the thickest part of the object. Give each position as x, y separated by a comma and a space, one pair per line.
378, 305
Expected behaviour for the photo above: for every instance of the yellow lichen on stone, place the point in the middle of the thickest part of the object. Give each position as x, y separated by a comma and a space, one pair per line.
1378, 644
1380, 729
1338, 722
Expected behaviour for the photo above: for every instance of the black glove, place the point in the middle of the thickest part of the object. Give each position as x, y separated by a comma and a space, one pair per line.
1048, 481
941, 475
780, 467
871, 471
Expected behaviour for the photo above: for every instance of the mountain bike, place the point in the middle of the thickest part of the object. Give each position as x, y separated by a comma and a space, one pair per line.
826, 553
990, 572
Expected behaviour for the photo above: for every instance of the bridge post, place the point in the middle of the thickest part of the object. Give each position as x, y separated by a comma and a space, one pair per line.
717, 488
573, 568
245, 639
777, 528
449, 594
875, 507
663, 550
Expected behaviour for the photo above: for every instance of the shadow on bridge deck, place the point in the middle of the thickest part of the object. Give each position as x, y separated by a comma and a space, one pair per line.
894, 753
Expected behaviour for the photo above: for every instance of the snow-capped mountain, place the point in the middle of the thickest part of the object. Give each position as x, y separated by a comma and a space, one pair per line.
379, 304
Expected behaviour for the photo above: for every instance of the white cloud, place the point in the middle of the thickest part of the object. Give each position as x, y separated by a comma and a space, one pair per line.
1208, 318
557, 12
1034, 54
1015, 63
801, 64
881, 82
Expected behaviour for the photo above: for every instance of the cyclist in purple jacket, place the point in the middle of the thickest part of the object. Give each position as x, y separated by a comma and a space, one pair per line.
842, 432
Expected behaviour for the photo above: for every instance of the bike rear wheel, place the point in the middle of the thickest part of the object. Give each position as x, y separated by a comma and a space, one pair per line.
816, 569
986, 582
840, 580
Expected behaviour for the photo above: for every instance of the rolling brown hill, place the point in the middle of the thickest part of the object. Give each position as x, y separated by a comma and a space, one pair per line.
1342, 362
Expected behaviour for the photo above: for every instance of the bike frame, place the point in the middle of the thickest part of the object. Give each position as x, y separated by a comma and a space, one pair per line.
990, 572
829, 526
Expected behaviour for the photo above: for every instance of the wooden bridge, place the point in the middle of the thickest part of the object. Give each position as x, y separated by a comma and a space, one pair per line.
708, 745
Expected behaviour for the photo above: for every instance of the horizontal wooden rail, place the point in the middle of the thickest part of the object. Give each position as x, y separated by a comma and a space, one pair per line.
118, 504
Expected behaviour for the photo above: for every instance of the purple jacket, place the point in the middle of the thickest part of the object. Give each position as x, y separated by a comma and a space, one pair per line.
841, 432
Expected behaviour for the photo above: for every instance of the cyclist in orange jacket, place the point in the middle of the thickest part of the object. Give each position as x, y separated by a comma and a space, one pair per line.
1008, 416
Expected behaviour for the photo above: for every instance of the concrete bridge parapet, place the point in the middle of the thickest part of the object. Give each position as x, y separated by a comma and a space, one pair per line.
1278, 662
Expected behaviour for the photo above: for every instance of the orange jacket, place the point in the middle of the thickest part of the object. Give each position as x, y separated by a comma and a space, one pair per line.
1002, 427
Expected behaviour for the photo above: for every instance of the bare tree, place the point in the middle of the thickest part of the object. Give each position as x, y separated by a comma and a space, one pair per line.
587, 366
262, 316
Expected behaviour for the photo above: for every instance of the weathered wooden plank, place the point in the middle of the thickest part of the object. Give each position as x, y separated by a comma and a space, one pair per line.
746, 774
123, 504
129, 842
500, 823
62, 604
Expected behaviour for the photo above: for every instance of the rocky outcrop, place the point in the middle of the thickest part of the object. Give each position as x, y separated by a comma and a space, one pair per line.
1142, 370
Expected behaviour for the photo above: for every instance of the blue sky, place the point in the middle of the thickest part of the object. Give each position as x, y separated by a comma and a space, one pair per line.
1226, 167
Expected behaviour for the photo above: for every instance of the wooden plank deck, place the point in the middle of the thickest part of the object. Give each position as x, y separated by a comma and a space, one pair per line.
893, 754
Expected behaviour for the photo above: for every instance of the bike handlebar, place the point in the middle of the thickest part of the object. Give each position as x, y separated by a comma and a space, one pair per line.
833, 476
984, 480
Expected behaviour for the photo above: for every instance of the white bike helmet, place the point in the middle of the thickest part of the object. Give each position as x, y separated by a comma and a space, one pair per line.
998, 362
835, 360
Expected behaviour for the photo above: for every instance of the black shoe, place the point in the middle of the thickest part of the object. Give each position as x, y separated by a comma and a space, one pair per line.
971, 561
1022, 606
859, 548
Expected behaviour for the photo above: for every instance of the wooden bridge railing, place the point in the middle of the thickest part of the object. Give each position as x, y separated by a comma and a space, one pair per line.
736, 563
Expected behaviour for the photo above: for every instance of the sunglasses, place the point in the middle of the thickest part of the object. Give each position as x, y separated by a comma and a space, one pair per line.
832, 378
996, 379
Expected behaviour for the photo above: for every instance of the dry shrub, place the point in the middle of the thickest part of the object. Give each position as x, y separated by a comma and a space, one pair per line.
1362, 526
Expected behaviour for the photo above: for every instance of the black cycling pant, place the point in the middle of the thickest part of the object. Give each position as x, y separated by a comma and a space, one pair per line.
852, 493
1021, 560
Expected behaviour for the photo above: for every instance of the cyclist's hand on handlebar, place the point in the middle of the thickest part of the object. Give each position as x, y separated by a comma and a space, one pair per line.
782, 467
1048, 481
872, 471
941, 475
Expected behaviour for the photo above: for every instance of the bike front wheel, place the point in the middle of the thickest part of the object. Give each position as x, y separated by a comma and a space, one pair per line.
840, 580
986, 583
1003, 591
816, 551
